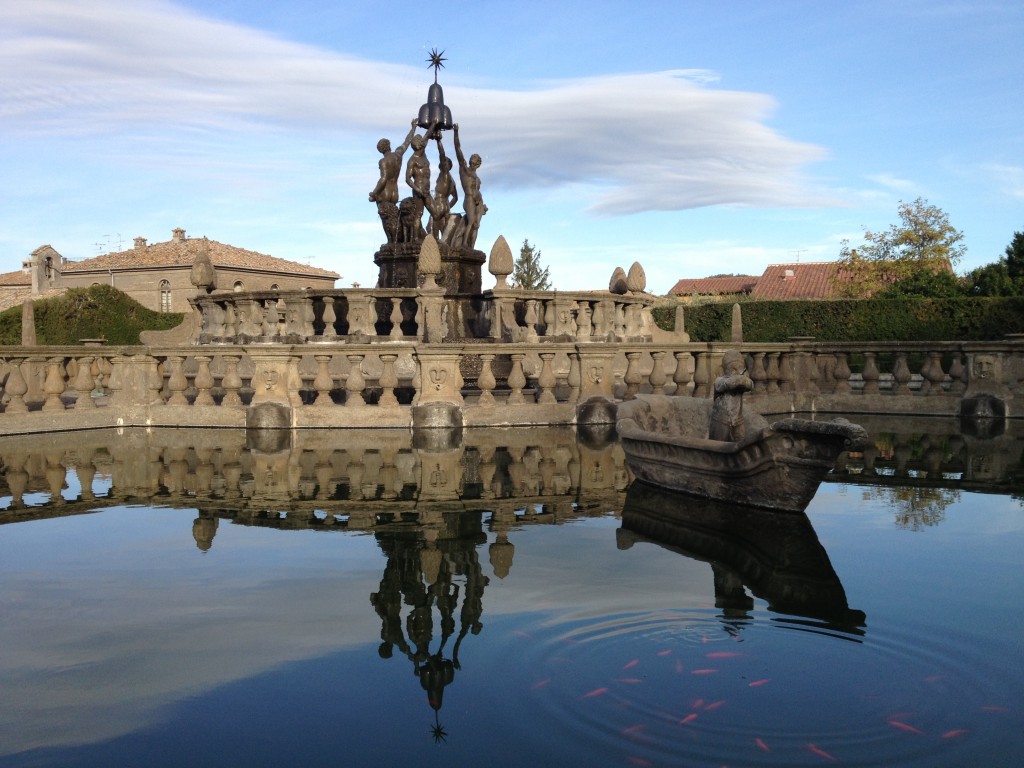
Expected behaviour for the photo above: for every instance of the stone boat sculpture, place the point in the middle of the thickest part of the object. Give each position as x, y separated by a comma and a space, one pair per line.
777, 466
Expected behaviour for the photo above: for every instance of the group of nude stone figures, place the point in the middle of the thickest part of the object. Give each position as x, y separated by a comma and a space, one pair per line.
402, 221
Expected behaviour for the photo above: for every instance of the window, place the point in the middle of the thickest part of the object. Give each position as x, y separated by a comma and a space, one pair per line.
274, 287
165, 296
238, 287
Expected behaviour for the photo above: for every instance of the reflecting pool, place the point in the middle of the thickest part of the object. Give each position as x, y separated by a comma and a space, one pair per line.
214, 598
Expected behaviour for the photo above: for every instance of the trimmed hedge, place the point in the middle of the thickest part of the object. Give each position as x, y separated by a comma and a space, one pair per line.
909, 319
96, 312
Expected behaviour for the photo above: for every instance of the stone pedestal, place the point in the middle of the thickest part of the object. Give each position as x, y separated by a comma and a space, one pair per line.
460, 269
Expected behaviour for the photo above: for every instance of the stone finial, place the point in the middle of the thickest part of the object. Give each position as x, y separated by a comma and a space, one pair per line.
501, 262
737, 325
617, 284
636, 280
203, 275
430, 261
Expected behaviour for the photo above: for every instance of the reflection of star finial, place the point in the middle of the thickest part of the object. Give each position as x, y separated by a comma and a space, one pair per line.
437, 731
436, 61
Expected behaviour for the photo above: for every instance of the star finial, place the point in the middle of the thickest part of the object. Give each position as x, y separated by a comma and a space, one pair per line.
436, 61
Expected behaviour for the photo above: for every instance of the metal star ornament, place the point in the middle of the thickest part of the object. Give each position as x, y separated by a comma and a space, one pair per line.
436, 61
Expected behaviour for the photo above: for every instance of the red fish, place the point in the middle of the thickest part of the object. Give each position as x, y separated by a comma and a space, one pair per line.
632, 664
762, 746
820, 752
630, 680
697, 704
703, 671
679, 666
541, 683
954, 733
688, 719
595, 692
723, 654
666, 652
638, 761
715, 704
903, 726
762, 681
632, 729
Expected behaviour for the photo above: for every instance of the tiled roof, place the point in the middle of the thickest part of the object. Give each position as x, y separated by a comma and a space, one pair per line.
15, 296
182, 253
796, 281
15, 278
707, 286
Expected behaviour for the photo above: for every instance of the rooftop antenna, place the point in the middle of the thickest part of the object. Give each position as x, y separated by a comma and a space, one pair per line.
797, 254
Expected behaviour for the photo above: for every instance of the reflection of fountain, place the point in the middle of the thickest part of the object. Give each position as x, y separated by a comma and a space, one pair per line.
423, 564
776, 555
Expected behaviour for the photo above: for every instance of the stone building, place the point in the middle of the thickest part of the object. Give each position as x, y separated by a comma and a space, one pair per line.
158, 275
778, 282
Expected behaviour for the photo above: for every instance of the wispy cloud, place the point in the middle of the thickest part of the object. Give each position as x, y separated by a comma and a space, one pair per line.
649, 141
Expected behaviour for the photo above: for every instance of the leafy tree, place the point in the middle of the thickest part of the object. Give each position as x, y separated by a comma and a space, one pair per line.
925, 283
1004, 277
924, 240
528, 273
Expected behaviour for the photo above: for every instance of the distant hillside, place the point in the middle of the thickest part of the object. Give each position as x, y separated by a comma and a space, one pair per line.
96, 312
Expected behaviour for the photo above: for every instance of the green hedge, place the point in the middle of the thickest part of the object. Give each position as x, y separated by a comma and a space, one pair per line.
96, 312
909, 319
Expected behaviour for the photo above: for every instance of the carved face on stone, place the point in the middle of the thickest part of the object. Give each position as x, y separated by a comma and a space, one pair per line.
733, 363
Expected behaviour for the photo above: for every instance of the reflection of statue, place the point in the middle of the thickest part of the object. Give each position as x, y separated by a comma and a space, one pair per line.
412, 561
385, 194
472, 203
727, 411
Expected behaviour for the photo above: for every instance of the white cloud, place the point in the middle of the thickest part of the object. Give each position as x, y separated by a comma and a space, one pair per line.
647, 141
1009, 178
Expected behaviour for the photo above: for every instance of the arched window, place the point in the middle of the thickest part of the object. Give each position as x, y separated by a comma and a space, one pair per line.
275, 287
165, 296
238, 287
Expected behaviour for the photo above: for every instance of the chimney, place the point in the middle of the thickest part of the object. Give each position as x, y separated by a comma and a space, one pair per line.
178, 235
140, 243
789, 274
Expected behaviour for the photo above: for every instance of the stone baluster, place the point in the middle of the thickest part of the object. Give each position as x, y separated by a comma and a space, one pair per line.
658, 376
933, 374
230, 321
841, 373
810, 372
270, 319
231, 382
83, 384
485, 380
203, 381
632, 376
870, 373
787, 376
322, 382
825, 364
682, 374
574, 379
328, 318
771, 372
546, 381
516, 379
757, 373
355, 382
388, 381
957, 374
53, 384
530, 319
176, 381
101, 370
901, 374
584, 327
15, 387
396, 317
701, 376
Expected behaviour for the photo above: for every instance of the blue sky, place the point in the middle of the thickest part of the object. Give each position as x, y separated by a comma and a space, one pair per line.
694, 137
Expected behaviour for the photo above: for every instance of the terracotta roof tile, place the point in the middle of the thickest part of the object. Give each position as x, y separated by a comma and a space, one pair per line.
178, 253
15, 278
15, 297
796, 281
714, 285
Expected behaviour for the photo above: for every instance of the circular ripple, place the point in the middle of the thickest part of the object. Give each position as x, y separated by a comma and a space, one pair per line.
664, 687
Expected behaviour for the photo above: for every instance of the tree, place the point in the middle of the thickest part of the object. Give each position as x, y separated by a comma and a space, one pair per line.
527, 273
1004, 277
924, 240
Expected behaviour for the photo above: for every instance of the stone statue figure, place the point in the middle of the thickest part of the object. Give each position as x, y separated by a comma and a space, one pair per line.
472, 203
445, 195
727, 410
385, 194
417, 176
